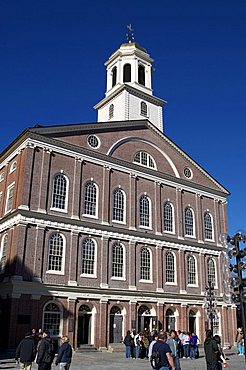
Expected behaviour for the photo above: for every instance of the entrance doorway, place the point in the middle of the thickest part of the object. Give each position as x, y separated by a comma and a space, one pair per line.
116, 320
192, 321
170, 320
146, 320
84, 326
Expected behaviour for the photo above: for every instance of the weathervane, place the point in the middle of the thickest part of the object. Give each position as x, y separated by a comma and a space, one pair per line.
130, 35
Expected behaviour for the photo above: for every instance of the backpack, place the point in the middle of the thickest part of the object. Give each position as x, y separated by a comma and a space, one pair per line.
155, 359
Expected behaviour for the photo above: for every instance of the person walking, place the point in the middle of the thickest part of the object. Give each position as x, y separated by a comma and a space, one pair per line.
173, 344
220, 355
65, 352
165, 352
211, 351
26, 352
193, 346
240, 343
46, 353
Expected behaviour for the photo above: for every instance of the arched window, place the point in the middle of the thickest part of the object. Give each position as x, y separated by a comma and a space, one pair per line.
59, 194
191, 269
90, 199
127, 73
144, 159
118, 261
88, 257
13, 167
52, 319
208, 227
144, 211
145, 264
118, 205
143, 109
114, 76
168, 217
189, 223
170, 268
10, 197
3, 253
211, 271
141, 75
111, 111
56, 253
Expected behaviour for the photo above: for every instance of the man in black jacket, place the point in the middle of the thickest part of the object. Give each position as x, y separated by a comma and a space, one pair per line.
26, 352
46, 352
211, 351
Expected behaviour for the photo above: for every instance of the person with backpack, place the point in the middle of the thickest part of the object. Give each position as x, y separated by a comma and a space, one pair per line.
46, 353
128, 342
26, 352
161, 358
64, 357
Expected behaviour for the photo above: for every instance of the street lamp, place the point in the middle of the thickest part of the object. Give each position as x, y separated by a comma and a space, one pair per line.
211, 304
237, 257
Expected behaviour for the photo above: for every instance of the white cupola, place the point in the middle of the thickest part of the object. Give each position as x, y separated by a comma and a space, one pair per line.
129, 94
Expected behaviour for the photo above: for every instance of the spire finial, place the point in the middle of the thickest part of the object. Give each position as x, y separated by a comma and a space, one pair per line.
130, 35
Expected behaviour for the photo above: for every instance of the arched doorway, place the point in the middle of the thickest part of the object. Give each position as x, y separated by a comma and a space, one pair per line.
147, 321
84, 325
170, 320
116, 319
192, 321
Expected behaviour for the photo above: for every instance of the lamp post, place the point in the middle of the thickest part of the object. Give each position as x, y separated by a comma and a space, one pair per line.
237, 256
210, 304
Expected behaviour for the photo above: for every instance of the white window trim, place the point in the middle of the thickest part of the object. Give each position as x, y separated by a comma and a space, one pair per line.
97, 200
196, 273
150, 213
143, 165
149, 281
61, 317
55, 272
65, 210
12, 185
215, 271
193, 236
175, 283
1, 176
1, 251
11, 167
94, 275
212, 223
173, 217
124, 209
123, 278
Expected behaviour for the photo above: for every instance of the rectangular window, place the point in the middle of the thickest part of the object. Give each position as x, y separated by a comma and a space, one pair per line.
9, 200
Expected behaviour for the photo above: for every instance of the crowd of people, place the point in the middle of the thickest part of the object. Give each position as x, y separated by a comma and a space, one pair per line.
39, 347
175, 345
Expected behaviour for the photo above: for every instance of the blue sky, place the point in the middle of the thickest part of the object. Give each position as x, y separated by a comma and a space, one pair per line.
52, 72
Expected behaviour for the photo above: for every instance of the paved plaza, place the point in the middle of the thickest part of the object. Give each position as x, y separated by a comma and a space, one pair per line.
116, 361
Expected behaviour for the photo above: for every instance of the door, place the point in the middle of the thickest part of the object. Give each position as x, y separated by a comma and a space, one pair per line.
116, 328
83, 329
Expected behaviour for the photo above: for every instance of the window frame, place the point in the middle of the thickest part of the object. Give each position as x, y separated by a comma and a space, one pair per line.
123, 209
141, 279
47, 327
174, 269
214, 280
193, 235
62, 271
149, 212
86, 274
123, 264
57, 209
144, 109
194, 273
141, 153
9, 188
3, 252
172, 218
96, 200
207, 213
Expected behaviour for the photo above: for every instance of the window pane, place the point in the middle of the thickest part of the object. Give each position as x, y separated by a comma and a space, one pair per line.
55, 253
88, 256
188, 222
145, 264
118, 205
52, 317
3, 253
59, 192
170, 268
144, 211
191, 265
144, 159
208, 229
168, 217
90, 200
117, 260
10, 199
211, 271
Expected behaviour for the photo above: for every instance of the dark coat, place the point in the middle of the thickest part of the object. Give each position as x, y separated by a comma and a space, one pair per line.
26, 350
46, 352
65, 353
211, 350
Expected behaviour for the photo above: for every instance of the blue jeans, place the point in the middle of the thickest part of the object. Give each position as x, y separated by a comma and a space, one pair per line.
128, 351
193, 352
176, 363
136, 352
186, 348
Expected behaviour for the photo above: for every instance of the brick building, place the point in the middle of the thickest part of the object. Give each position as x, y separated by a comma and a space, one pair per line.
109, 226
